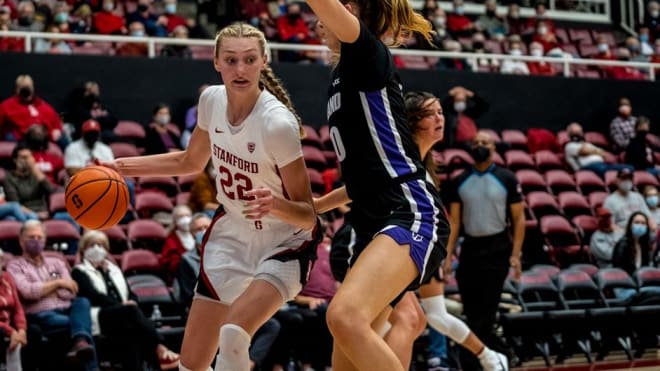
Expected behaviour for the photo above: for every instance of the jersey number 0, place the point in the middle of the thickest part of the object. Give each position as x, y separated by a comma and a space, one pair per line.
337, 143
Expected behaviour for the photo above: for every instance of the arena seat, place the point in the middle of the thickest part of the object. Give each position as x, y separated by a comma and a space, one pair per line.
56, 203
573, 204
647, 277
516, 138
547, 269
587, 182
642, 178
146, 234
324, 137
6, 148
130, 130
165, 184
562, 240
120, 149
560, 181
316, 181
537, 292
9, 236
182, 198
531, 180
149, 202
457, 159
598, 139
589, 269
314, 158
587, 225
117, 238
608, 279
60, 231
311, 138
596, 199
547, 160
580, 36
577, 290
516, 160
186, 181
542, 204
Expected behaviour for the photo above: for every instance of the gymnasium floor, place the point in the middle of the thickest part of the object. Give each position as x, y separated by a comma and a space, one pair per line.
616, 362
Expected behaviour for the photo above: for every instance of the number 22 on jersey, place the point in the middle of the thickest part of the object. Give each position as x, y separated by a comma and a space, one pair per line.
234, 186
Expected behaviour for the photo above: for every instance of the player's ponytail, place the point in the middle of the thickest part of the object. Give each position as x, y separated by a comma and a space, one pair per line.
274, 86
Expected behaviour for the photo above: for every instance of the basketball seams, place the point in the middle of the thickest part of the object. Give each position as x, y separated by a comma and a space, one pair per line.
100, 197
114, 207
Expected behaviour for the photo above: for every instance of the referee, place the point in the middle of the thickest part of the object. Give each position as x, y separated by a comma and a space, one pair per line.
482, 202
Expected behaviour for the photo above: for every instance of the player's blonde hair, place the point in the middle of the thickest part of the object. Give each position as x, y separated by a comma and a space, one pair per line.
267, 79
397, 16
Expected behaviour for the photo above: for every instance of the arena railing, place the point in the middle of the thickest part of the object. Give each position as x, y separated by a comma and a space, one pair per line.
153, 42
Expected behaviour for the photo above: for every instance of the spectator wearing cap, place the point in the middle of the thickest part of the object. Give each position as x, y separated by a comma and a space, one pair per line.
107, 22
625, 201
87, 149
622, 127
638, 153
582, 155
25, 108
484, 202
604, 238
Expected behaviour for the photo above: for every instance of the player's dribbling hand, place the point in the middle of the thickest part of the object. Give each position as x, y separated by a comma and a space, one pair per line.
261, 204
109, 164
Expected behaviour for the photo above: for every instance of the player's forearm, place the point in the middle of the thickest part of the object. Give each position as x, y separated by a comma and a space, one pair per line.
298, 213
165, 164
332, 200
518, 236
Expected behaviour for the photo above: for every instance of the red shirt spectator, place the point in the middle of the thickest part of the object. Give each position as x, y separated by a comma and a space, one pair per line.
291, 26
13, 12
253, 8
459, 23
541, 69
171, 255
174, 20
108, 23
19, 112
12, 316
178, 241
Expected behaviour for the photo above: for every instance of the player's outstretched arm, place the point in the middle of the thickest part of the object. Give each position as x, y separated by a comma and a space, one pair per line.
331, 200
337, 18
191, 161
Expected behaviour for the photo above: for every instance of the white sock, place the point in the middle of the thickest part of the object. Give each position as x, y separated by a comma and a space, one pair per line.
443, 322
14, 359
234, 346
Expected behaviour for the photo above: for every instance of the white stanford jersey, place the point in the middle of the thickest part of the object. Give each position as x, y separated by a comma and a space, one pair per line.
249, 155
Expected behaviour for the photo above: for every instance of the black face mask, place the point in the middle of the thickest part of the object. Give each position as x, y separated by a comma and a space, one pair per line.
90, 99
293, 17
142, 8
477, 45
642, 133
25, 93
577, 138
90, 138
24, 21
480, 154
490, 13
37, 143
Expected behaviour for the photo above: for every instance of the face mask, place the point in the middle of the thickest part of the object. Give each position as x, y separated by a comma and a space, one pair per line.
490, 13
642, 133
37, 143
605, 224
542, 30
624, 109
138, 33
61, 17
626, 185
638, 230
460, 106
440, 21
34, 247
515, 52
459, 10
142, 8
25, 92
108, 7
478, 45
644, 38
514, 15
652, 201
654, 13
183, 223
480, 154
163, 119
603, 48
90, 138
577, 138
25, 20
95, 254
199, 237
170, 8
537, 53
22, 165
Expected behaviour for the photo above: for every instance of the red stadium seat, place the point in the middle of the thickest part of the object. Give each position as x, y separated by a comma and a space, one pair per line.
314, 158
130, 130
186, 181
146, 234
516, 159
531, 180
643, 178
647, 276
124, 149
588, 74
165, 184
597, 139
316, 181
547, 160
311, 138
56, 203
610, 179
587, 225
547, 269
3, 174
542, 204
562, 138
573, 204
596, 199
560, 181
149, 202
516, 138
324, 137
588, 182
561, 238
580, 36
9, 236
55, 150
182, 198
493, 135
60, 231
138, 261
589, 269
5, 154
117, 238
456, 159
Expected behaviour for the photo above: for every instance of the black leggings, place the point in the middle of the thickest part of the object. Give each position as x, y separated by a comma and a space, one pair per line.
127, 326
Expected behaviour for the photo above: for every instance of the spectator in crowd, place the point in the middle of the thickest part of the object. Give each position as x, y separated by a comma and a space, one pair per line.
25, 108
457, 64
49, 294
652, 18
481, 207
604, 51
87, 149
153, 24
458, 23
173, 19
26, 18
36, 139
461, 108
634, 250
188, 270
292, 29
81, 19
514, 24
52, 46
114, 312
656, 56
645, 42
635, 50
108, 22
27, 184
624, 200
540, 14
134, 49
623, 72
254, 10
89, 105
439, 21
429, 8
12, 319
638, 153
651, 197
490, 23
622, 127
13, 12
9, 44
61, 16
545, 36
12, 210
514, 66
191, 119
178, 241
582, 155
604, 239
203, 192
161, 136
180, 51
479, 46
539, 68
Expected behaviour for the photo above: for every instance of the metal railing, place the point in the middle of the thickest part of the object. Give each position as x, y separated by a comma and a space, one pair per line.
153, 42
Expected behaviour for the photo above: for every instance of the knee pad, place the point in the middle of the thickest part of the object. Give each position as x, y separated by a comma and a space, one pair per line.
234, 346
443, 322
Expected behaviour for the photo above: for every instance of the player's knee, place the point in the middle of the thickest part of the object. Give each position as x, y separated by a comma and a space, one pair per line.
407, 314
234, 346
344, 319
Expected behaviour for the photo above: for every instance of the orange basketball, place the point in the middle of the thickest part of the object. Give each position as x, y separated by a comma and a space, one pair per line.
97, 197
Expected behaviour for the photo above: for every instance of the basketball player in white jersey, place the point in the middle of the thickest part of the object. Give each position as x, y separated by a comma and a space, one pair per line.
262, 242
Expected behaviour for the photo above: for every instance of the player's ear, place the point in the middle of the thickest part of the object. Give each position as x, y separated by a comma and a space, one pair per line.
216, 63
352, 8
265, 60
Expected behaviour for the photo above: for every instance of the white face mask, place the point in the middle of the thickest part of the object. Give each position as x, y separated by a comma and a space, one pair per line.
440, 21
183, 223
163, 119
542, 30
460, 106
515, 52
537, 53
95, 254
108, 7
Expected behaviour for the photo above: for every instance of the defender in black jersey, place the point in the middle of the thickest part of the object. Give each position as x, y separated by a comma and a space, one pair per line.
401, 231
